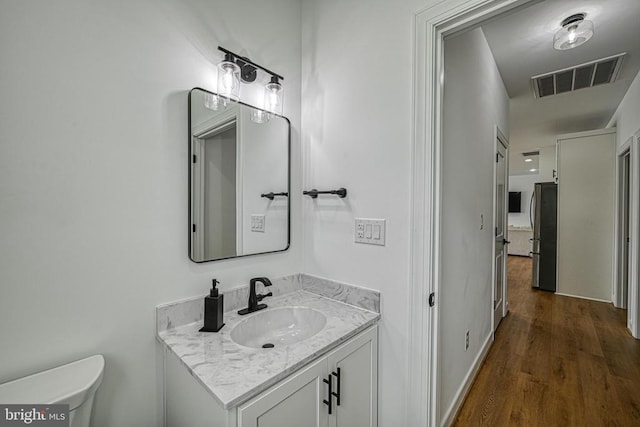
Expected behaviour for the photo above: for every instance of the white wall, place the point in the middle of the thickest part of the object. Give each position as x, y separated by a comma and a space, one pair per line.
475, 101
356, 115
93, 177
265, 166
627, 116
524, 184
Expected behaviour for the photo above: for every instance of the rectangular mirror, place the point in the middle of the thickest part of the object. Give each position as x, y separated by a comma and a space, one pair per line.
239, 180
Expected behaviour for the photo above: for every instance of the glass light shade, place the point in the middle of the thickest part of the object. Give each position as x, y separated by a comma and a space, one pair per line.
229, 80
573, 35
273, 97
214, 102
260, 116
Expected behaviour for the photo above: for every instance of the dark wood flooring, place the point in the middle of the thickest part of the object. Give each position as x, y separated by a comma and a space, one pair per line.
556, 361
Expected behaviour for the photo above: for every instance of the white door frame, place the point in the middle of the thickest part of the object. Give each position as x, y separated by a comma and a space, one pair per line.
632, 145
617, 291
200, 132
431, 24
634, 281
499, 138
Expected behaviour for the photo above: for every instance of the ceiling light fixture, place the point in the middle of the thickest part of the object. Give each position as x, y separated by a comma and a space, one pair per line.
236, 69
532, 170
575, 31
528, 160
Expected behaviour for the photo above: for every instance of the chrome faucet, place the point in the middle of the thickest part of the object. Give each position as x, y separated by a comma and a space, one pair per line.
255, 298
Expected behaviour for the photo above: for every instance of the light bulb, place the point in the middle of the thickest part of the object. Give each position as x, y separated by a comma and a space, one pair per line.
572, 34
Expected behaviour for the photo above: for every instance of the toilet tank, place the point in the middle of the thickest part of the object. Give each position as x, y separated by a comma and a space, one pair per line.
74, 384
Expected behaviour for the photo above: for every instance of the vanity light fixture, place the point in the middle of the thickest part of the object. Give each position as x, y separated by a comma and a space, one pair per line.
236, 69
229, 79
575, 32
273, 96
259, 116
214, 102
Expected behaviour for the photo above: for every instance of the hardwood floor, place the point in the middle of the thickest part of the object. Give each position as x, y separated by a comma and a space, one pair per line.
556, 361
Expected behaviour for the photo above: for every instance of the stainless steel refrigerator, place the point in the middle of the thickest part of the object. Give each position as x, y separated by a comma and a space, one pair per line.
543, 215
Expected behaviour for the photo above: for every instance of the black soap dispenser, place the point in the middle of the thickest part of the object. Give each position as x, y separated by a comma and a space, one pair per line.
213, 309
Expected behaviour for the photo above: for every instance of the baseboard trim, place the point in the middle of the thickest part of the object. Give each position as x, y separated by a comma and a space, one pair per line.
581, 297
464, 388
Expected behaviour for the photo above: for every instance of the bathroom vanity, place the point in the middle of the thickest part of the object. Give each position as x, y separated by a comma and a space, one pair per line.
326, 379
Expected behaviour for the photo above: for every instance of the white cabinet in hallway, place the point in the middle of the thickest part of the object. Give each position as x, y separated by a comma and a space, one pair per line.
520, 241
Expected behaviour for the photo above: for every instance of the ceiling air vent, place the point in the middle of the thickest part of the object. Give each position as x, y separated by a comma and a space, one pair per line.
592, 73
531, 153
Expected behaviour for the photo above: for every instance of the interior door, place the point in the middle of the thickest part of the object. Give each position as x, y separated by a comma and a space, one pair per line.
500, 215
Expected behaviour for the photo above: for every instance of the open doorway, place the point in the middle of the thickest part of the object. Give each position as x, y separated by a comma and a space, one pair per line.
437, 23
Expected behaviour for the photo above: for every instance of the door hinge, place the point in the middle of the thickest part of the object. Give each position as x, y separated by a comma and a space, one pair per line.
195, 159
432, 299
193, 228
497, 157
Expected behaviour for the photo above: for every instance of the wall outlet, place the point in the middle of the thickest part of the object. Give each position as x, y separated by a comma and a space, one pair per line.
370, 231
466, 340
257, 223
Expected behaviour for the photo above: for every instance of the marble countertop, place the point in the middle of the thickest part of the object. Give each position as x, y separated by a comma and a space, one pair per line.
233, 374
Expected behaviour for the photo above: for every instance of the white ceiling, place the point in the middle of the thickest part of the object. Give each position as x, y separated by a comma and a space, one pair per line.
522, 45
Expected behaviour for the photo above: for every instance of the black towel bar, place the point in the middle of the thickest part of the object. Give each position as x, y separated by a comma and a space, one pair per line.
271, 196
313, 193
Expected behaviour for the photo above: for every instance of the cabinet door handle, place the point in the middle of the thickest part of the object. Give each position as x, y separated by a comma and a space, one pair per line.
337, 395
329, 382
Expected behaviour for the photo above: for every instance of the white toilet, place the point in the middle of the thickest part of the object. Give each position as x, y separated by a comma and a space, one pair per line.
74, 384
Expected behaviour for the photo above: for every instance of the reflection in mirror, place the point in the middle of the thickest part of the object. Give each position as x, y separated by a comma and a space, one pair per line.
239, 179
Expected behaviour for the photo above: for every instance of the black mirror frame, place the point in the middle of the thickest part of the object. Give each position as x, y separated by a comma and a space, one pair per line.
189, 166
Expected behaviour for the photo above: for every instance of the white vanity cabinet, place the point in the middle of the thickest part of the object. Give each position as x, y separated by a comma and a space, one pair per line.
357, 365
296, 401
300, 400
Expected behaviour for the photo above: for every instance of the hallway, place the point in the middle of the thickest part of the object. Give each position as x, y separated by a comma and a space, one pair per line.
556, 361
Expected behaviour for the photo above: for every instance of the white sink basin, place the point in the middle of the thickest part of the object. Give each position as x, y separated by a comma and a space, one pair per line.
278, 327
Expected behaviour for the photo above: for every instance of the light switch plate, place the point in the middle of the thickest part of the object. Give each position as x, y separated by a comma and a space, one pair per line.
370, 231
257, 223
